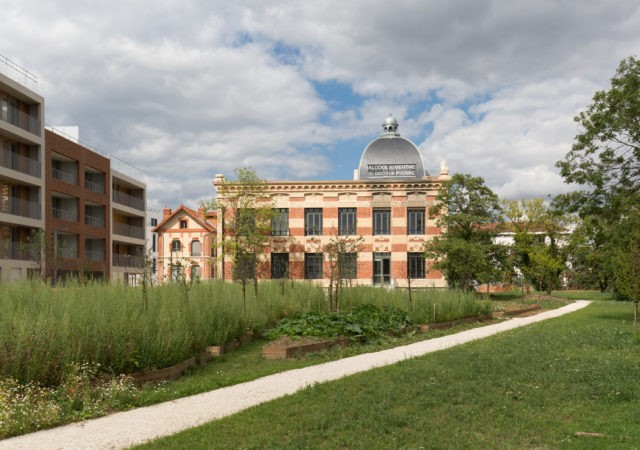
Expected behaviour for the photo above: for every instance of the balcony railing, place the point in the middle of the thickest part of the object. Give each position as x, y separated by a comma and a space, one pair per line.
94, 220
21, 119
20, 163
20, 207
18, 250
65, 214
94, 187
128, 200
67, 177
68, 252
93, 255
123, 260
124, 229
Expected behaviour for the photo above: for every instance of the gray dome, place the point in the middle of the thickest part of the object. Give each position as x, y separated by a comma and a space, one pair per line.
391, 157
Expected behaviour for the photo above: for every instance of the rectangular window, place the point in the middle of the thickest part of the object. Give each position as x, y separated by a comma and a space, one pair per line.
348, 265
279, 265
381, 221
415, 265
313, 221
175, 245
415, 221
183, 224
313, 266
280, 222
346, 221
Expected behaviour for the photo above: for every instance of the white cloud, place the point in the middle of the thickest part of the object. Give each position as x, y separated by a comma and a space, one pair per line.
513, 137
187, 89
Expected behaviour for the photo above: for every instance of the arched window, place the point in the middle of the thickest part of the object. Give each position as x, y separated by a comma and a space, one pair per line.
195, 248
175, 245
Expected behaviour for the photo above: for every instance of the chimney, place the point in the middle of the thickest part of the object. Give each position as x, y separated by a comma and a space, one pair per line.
166, 212
201, 213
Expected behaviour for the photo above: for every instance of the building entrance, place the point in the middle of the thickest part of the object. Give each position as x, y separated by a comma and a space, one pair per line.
381, 268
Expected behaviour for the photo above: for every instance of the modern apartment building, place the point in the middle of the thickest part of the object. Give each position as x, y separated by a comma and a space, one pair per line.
77, 209
128, 218
386, 206
95, 213
22, 178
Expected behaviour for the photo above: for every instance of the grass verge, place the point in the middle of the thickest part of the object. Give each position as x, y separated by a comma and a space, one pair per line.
535, 387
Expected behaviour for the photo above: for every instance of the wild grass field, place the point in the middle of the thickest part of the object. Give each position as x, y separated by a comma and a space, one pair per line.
63, 349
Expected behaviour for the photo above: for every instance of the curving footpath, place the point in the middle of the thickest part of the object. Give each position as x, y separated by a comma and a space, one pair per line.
140, 425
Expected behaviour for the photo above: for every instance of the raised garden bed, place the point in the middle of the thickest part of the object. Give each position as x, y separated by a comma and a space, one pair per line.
175, 371
423, 328
286, 347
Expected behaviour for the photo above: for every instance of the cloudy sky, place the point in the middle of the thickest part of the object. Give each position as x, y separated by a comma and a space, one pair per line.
296, 89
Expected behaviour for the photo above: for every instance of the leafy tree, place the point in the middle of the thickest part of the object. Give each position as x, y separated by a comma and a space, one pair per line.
605, 162
589, 253
245, 222
536, 252
605, 157
469, 213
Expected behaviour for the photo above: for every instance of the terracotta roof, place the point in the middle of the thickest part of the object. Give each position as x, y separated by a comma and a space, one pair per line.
191, 213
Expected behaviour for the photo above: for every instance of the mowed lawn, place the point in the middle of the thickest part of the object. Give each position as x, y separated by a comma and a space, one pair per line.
570, 382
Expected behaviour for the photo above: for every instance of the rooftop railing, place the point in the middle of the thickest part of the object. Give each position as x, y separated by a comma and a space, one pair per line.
17, 73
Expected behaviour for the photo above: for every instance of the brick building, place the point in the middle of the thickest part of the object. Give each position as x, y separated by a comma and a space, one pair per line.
387, 204
186, 244
95, 213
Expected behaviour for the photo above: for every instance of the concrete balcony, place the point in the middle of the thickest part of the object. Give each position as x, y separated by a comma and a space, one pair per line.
19, 207
20, 163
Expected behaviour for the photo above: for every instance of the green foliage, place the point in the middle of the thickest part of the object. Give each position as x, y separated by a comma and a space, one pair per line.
465, 253
605, 162
536, 252
363, 321
605, 157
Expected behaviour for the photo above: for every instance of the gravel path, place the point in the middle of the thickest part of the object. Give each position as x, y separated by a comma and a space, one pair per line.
128, 428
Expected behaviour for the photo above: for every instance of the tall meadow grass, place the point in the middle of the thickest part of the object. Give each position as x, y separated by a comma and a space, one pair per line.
427, 305
44, 330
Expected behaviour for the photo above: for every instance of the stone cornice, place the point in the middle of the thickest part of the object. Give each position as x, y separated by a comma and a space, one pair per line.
274, 187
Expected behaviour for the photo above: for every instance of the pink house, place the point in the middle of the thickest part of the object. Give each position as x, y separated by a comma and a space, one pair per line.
186, 244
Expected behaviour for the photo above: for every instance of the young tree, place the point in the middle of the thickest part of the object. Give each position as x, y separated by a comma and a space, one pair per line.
627, 272
342, 261
470, 214
245, 222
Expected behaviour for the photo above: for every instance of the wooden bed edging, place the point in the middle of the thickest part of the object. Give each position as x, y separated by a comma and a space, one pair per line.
423, 328
175, 371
